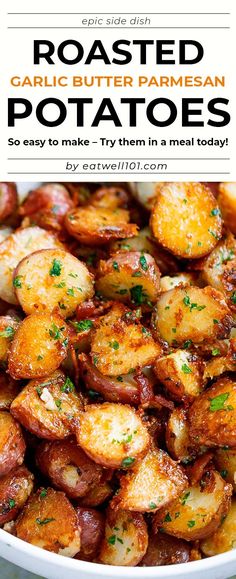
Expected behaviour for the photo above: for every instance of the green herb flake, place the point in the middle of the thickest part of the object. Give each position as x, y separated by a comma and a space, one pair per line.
39, 357
115, 266
83, 325
138, 295
214, 212
233, 298
174, 330
12, 503
111, 540
191, 524
114, 345
152, 505
215, 321
143, 263
58, 403
60, 285
185, 368
68, 386
218, 402
55, 270
128, 461
16, 281
71, 292
7, 333
120, 540
44, 521
74, 275
215, 352
224, 473
187, 344
167, 518
43, 494
93, 394
213, 234
119, 379
55, 332
185, 498
167, 307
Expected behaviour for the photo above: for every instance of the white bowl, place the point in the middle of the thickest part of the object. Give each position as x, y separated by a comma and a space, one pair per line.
52, 566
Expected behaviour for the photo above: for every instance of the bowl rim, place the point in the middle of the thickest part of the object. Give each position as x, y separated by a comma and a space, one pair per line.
208, 564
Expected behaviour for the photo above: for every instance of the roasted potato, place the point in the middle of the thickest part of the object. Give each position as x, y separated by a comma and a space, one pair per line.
8, 326
92, 525
9, 389
15, 488
15, 247
118, 345
39, 346
147, 193
49, 408
52, 279
177, 435
181, 279
112, 435
109, 198
97, 495
186, 219
8, 200
225, 459
12, 444
98, 225
181, 374
212, 416
153, 482
213, 265
119, 389
68, 467
198, 512
224, 538
165, 550
47, 206
192, 313
119, 277
227, 202
126, 539
49, 521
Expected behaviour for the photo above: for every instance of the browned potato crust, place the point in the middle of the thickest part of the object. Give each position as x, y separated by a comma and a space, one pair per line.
12, 444
126, 539
199, 511
192, 313
181, 374
49, 408
97, 495
8, 327
119, 345
227, 202
165, 550
9, 389
49, 521
15, 489
98, 225
224, 538
109, 198
39, 346
52, 279
121, 389
17, 246
225, 459
214, 264
212, 416
112, 435
117, 277
8, 199
152, 483
92, 524
186, 219
177, 435
47, 206
68, 467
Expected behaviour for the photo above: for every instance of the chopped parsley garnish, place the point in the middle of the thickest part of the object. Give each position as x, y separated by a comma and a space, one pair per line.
167, 518
55, 270
93, 394
224, 473
146, 332
187, 344
184, 498
218, 402
95, 360
214, 212
115, 266
55, 332
185, 368
44, 521
39, 357
114, 345
214, 234
215, 352
111, 540
152, 505
192, 305
16, 281
138, 295
174, 330
233, 298
128, 461
11, 503
119, 379
7, 333
122, 292
143, 263
60, 285
68, 386
71, 274
58, 403
70, 292
43, 493
191, 524
83, 325
215, 321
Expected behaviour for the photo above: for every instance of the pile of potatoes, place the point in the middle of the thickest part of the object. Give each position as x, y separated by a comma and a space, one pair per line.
118, 370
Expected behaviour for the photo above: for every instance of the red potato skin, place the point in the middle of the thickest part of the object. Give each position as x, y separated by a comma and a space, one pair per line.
12, 444
92, 525
52, 458
9, 389
15, 486
112, 390
8, 200
165, 550
47, 206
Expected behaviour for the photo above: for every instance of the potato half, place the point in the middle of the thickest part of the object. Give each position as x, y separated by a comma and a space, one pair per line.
15, 247
177, 435
92, 524
181, 374
12, 444
224, 538
52, 279
126, 539
8, 326
227, 202
225, 460
112, 435
15, 488
186, 219
98, 225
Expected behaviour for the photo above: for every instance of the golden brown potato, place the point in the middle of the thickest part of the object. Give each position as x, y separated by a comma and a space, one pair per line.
181, 279
97, 495
15, 489
227, 202
186, 219
52, 279
8, 326
8, 199
229, 284
49, 521
49, 408
192, 313
98, 225
92, 524
225, 459
47, 206
119, 277
165, 550
122, 389
9, 389
181, 374
15, 247
112, 435
177, 435
214, 264
109, 198
146, 193
199, 511
39, 346
119, 345
126, 539
212, 416
68, 467
224, 538
152, 483
12, 444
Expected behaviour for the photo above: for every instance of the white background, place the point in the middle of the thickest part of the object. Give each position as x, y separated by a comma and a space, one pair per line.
31, 163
